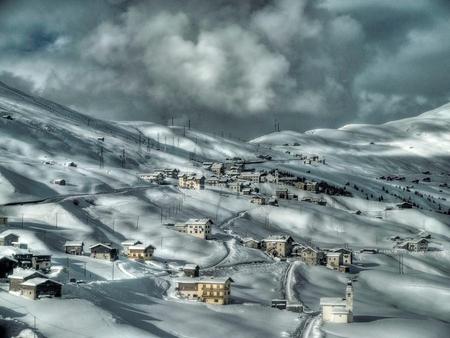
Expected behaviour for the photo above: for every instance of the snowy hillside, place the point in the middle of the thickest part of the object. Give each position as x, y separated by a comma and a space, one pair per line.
103, 200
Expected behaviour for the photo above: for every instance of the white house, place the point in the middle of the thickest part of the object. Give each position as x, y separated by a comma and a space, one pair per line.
338, 310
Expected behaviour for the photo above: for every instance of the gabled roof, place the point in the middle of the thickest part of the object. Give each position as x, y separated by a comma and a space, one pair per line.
37, 281
212, 280
9, 258
101, 244
130, 242
7, 233
337, 301
141, 247
277, 238
74, 243
190, 266
199, 221
24, 273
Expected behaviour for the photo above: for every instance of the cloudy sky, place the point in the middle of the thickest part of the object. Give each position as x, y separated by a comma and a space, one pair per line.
230, 65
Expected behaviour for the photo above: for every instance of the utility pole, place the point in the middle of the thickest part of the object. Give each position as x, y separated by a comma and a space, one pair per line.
113, 224
189, 124
172, 120
123, 158
100, 164
137, 223
34, 333
22, 221
113, 270
56, 220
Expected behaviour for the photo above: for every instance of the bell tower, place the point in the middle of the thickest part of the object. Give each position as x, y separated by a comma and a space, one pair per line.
349, 296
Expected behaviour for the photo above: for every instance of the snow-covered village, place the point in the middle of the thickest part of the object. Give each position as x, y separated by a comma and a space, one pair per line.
138, 203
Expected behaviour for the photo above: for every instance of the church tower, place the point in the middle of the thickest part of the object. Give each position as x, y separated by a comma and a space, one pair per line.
349, 296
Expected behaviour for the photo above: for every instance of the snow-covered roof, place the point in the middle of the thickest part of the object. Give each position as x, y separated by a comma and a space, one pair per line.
37, 281
190, 266
337, 301
101, 244
8, 258
277, 238
74, 243
7, 233
334, 254
249, 239
215, 280
198, 221
24, 273
130, 242
141, 247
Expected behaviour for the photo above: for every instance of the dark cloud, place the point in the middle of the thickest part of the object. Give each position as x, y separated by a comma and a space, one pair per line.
233, 65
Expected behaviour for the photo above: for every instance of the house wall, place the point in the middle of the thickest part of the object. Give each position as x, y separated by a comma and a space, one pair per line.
74, 250
140, 254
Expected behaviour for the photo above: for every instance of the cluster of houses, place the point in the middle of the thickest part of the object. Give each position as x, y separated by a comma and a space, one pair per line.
283, 246
418, 244
158, 176
133, 249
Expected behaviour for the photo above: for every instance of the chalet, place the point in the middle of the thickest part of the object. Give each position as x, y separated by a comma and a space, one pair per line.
59, 181
191, 270
3, 220
252, 176
258, 199
287, 180
41, 262
129, 242
223, 182
338, 310
218, 168
8, 238
250, 243
39, 287
103, 251
278, 245
7, 265
74, 248
21, 275
308, 186
246, 191
312, 256
191, 182
141, 252
210, 291
416, 245
233, 171
200, 228
23, 259
282, 194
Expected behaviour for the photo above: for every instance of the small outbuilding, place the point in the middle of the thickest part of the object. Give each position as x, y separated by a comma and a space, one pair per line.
38, 287
8, 238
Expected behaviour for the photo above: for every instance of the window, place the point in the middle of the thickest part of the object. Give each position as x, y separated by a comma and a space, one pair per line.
216, 300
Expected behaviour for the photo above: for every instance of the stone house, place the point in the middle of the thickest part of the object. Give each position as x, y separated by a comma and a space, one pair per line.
191, 270
252, 176
41, 262
250, 243
191, 182
8, 238
218, 168
103, 251
278, 245
312, 256
338, 310
347, 255
126, 245
141, 252
210, 291
21, 275
38, 287
23, 259
258, 199
74, 248
200, 228
282, 194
